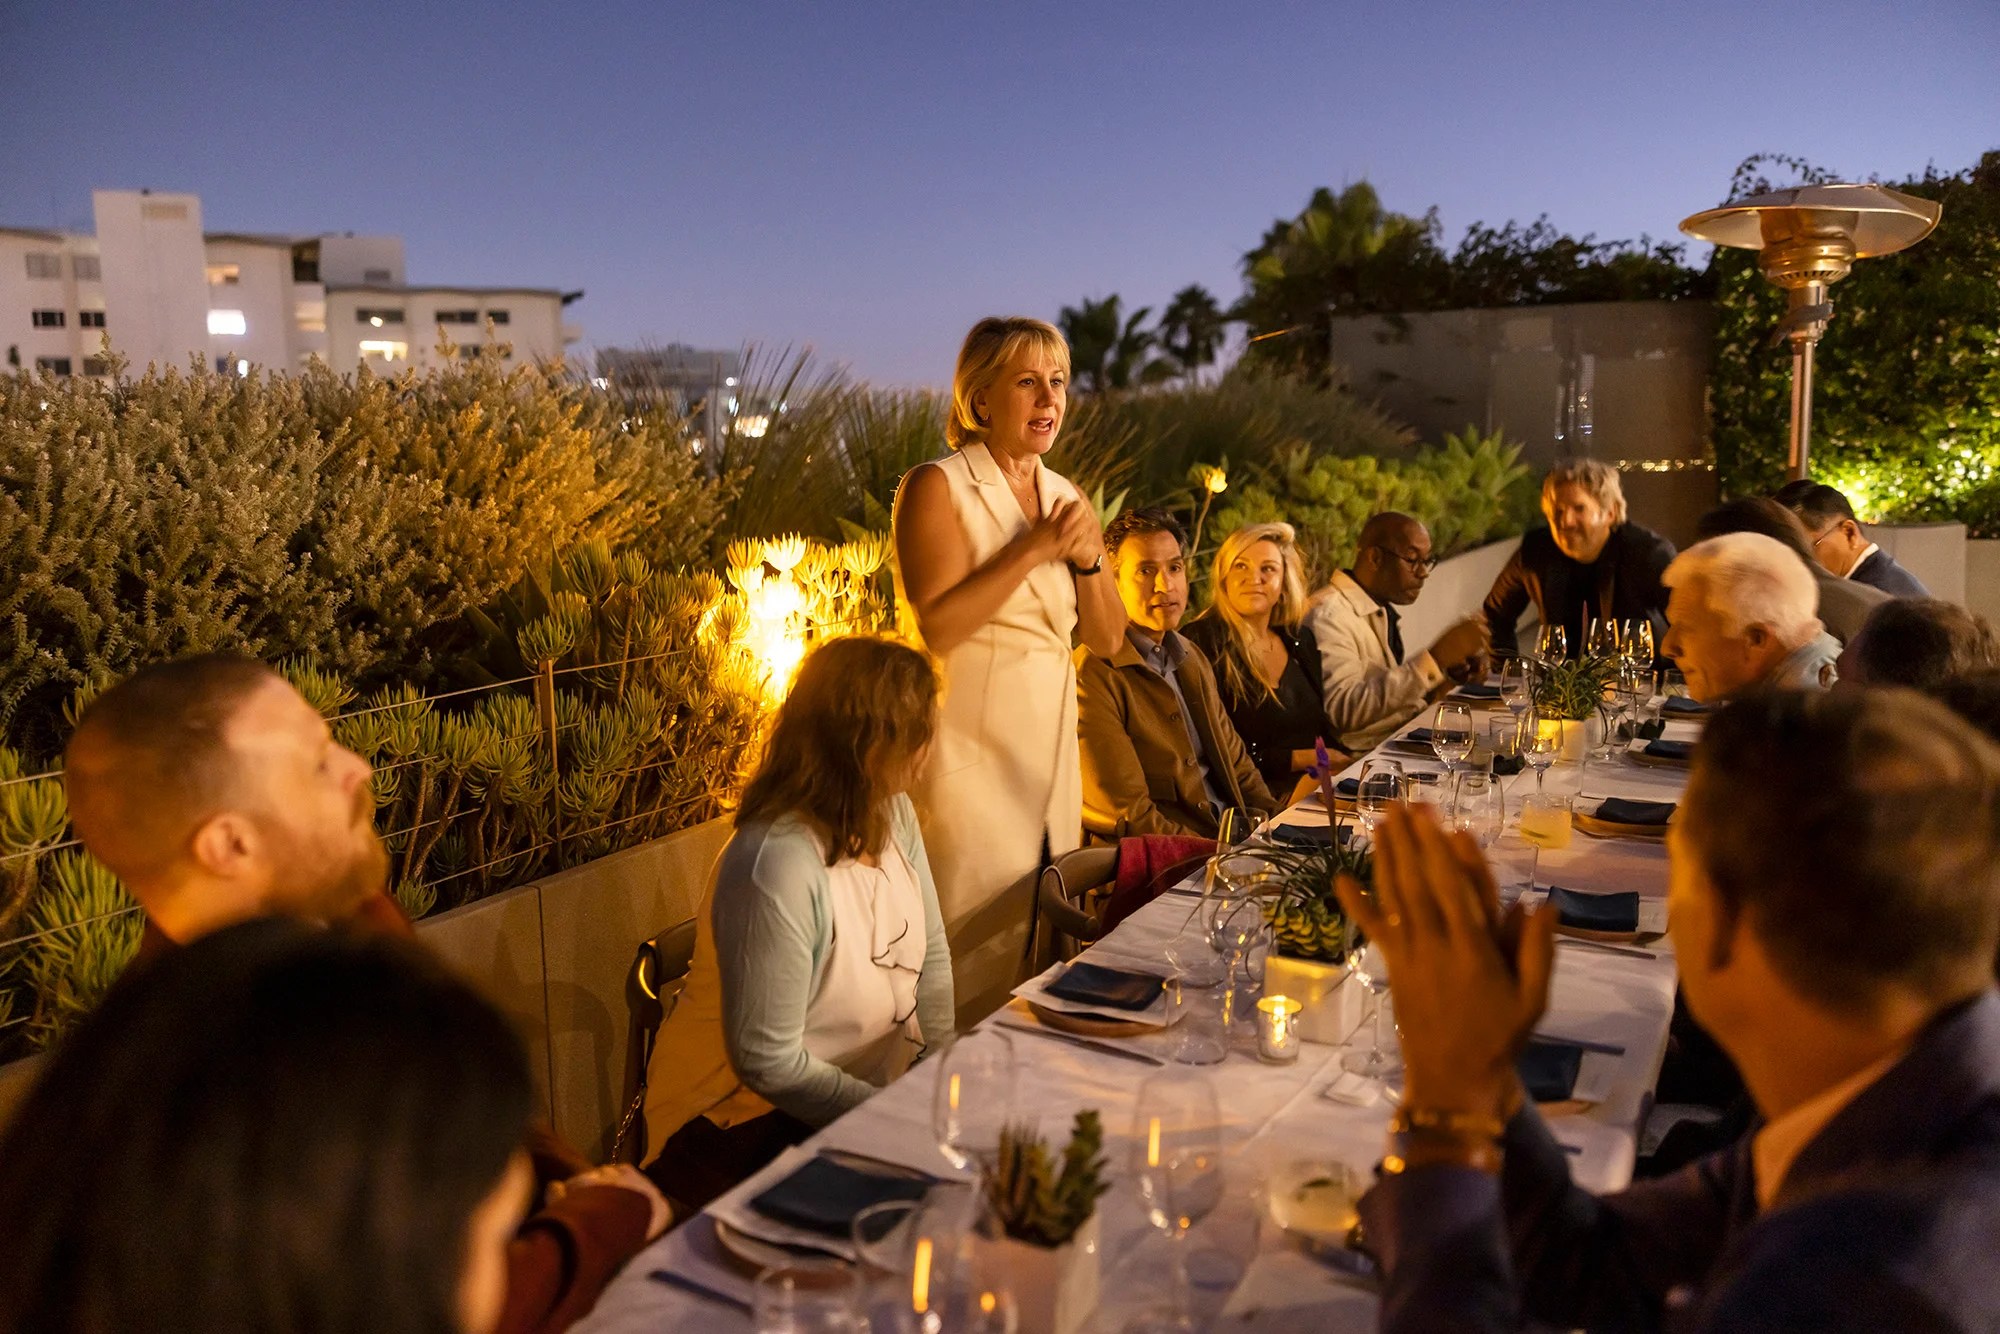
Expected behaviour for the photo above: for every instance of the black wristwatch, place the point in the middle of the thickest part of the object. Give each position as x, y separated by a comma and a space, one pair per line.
1082, 573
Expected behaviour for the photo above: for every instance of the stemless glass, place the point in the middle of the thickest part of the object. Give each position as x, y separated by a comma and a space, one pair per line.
1551, 645
1451, 735
974, 1099
1177, 1163
1198, 1000
1477, 807
939, 1261
809, 1297
1382, 785
1366, 964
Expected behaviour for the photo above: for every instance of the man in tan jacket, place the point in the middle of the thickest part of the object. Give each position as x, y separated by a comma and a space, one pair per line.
1159, 753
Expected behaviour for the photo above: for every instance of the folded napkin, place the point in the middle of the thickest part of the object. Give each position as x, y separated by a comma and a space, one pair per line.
1670, 750
1095, 984
1548, 1070
1650, 731
1308, 835
1596, 912
1348, 787
1621, 810
1682, 705
1478, 691
824, 1195
1508, 765
1420, 735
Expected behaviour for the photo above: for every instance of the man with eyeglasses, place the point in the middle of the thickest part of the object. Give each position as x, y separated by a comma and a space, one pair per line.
1591, 564
1368, 687
1840, 546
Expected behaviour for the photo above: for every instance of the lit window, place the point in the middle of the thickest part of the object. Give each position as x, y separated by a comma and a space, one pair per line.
379, 316
310, 316
384, 349
224, 275
498, 316
44, 264
227, 322
48, 319
90, 319
53, 365
242, 367
86, 268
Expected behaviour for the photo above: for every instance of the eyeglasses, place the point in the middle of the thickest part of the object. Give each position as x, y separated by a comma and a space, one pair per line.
1831, 529
1421, 564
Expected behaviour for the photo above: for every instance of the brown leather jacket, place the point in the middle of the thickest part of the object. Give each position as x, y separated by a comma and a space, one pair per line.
1140, 775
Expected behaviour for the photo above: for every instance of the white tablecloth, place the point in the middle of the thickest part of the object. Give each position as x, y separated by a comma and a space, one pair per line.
1249, 1277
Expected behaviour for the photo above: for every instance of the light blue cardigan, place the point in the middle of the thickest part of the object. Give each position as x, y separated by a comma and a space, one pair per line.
772, 927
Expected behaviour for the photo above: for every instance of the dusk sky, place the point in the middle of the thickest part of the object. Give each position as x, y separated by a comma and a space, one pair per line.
869, 179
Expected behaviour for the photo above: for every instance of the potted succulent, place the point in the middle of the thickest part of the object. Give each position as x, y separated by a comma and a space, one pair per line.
1047, 1207
1311, 936
1570, 697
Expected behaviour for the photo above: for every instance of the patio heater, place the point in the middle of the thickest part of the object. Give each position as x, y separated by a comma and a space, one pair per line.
1807, 239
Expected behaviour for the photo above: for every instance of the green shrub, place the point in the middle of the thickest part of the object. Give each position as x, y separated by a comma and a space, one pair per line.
1906, 403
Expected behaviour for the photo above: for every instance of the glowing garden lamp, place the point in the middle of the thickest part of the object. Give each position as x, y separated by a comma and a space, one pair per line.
1807, 239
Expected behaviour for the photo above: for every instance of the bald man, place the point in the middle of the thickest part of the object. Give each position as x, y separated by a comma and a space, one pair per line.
1368, 685
217, 794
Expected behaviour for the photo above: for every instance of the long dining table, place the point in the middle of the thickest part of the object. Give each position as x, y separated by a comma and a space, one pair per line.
1245, 1273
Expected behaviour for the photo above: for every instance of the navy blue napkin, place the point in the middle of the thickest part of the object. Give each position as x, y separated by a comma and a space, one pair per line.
1548, 1070
1308, 835
1506, 765
824, 1196
1347, 787
1670, 750
1596, 912
1478, 692
1651, 731
1682, 705
1420, 735
1095, 984
1620, 810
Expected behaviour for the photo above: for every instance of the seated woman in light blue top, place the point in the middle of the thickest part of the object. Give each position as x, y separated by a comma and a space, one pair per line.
835, 972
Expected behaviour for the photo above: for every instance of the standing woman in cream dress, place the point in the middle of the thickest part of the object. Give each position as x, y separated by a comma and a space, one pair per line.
999, 561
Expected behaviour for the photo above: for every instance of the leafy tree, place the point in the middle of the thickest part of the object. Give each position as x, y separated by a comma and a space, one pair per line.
1192, 328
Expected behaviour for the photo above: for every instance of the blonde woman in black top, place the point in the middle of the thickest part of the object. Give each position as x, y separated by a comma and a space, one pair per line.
1266, 662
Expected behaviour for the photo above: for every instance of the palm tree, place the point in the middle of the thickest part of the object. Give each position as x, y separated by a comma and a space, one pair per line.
1109, 349
1192, 329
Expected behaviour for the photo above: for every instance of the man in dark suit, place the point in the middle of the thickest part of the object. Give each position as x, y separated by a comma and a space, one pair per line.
1590, 564
1159, 753
1839, 544
1835, 885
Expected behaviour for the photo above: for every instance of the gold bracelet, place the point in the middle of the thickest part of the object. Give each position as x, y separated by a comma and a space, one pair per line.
1418, 1150
1455, 1125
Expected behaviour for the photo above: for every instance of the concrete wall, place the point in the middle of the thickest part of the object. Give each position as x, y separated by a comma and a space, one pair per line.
1623, 381
155, 281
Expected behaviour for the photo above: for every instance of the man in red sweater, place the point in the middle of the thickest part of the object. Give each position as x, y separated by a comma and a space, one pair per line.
217, 794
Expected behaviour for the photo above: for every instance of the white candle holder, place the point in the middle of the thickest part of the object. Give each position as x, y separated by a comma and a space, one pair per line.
1278, 1039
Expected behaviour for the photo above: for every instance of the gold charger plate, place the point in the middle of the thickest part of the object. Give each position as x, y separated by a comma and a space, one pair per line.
1089, 1026
1590, 824
1639, 756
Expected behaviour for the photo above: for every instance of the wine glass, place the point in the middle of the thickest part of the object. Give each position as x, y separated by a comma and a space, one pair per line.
1477, 806
1177, 1162
1367, 966
1517, 685
939, 1257
974, 1099
1382, 785
1601, 640
1541, 742
809, 1297
1637, 638
1451, 735
1551, 645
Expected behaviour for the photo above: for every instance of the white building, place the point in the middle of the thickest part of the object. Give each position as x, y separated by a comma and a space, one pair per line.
160, 290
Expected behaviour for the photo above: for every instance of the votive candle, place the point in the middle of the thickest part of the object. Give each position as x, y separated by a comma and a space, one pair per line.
1278, 1029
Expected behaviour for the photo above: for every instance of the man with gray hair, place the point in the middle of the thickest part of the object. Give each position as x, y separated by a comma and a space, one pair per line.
1590, 564
1740, 613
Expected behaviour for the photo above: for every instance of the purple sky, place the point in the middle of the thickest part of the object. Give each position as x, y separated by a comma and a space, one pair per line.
868, 179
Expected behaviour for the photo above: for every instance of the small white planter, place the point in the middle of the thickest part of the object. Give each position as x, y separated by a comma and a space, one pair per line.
1578, 737
1332, 1008
1055, 1288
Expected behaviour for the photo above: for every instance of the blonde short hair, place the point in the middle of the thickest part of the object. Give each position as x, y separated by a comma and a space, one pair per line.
993, 343
1749, 579
1239, 653
1599, 481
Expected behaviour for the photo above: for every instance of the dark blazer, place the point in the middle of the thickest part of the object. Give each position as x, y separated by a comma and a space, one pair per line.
1888, 1219
1623, 584
1881, 570
1140, 776
1271, 728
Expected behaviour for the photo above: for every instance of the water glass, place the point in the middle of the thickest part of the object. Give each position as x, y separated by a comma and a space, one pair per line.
809, 1297
1367, 967
1504, 736
974, 1099
1451, 734
1199, 987
939, 1257
1478, 808
1177, 1164
1382, 785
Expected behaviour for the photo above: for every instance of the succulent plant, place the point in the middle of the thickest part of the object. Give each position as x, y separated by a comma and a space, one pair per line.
1307, 921
1042, 1199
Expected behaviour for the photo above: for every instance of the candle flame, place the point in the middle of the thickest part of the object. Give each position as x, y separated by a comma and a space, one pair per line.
920, 1277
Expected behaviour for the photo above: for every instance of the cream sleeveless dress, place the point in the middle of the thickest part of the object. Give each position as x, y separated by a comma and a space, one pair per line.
1004, 771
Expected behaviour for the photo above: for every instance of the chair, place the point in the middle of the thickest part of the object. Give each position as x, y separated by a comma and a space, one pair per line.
1070, 898
652, 989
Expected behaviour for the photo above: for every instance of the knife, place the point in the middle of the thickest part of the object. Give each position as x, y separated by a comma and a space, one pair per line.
1087, 1044
698, 1288
1608, 949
